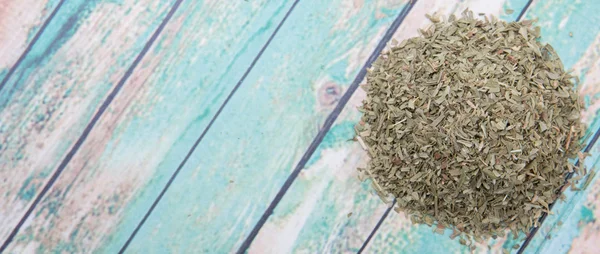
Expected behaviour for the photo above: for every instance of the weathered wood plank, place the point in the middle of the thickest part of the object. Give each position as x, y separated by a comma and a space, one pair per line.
47, 102
327, 209
20, 20
148, 129
251, 148
556, 28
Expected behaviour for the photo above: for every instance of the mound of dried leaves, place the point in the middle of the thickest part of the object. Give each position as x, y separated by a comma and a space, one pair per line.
471, 125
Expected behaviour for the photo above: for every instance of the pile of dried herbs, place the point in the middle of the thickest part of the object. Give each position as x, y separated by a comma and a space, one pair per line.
471, 126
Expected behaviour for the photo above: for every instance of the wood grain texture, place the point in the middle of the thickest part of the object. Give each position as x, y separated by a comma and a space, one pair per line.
148, 129
50, 98
252, 147
20, 20
579, 53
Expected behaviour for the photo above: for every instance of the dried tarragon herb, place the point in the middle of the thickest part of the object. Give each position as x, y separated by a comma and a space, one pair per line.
471, 126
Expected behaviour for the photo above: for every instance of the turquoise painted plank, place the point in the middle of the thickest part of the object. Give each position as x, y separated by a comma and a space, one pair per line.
554, 30
252, 147
327, 209
147, 130
54, 92
20, 20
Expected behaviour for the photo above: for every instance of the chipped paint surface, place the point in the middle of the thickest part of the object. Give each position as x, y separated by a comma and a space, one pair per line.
254, 144
100, 188
52, 95
20, 20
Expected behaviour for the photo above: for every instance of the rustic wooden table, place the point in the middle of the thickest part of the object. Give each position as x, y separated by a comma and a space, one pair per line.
199, 126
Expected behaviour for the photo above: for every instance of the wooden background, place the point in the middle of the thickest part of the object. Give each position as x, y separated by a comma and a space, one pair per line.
206, 126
